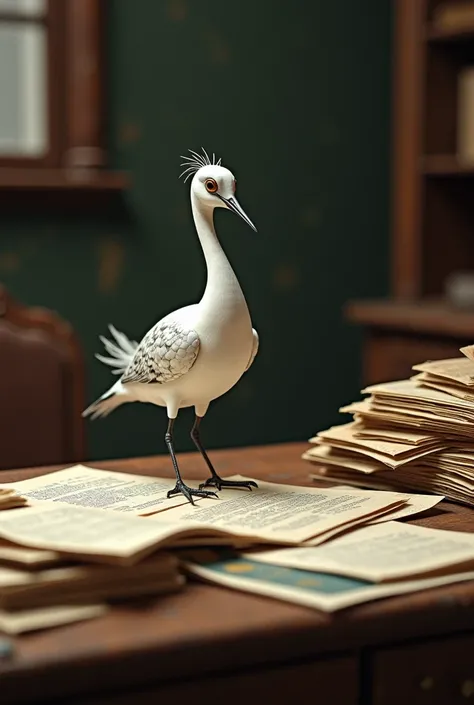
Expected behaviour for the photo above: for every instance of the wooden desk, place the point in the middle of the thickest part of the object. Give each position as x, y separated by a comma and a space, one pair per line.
218, 647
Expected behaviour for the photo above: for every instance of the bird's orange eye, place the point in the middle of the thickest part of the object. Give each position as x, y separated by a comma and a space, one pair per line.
234, 185
211, 185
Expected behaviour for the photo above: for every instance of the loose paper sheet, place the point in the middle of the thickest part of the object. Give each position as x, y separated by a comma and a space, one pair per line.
416, 504
346, 436
83, 531
394, 435
281, 513
382, 552
325, 455
88, 487
47, 617
458, 369
32, 557
322, 591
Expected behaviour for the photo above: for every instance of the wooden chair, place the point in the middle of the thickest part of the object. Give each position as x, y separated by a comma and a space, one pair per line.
41, 388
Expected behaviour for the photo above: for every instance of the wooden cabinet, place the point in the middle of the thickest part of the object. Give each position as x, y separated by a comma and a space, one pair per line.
438, 672
329, 681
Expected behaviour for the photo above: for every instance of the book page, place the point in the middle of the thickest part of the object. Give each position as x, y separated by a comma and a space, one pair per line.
22, 621
382, 552
281, 513
83, 531
102, 489
322, 591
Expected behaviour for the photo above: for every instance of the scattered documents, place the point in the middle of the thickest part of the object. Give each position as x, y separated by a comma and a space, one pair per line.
318, 590
382, 553
409, 435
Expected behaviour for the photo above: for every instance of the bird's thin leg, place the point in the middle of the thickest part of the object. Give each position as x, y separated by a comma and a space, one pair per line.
214, 480
180, 487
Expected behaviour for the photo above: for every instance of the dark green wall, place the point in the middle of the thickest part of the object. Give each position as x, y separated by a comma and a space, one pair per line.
293, 95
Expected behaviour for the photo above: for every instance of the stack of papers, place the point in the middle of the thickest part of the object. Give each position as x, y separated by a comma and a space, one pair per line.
409, 435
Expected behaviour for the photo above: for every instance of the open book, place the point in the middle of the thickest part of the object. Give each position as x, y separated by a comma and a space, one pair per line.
272, 514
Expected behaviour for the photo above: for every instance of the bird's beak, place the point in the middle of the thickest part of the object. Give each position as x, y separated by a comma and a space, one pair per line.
233, 205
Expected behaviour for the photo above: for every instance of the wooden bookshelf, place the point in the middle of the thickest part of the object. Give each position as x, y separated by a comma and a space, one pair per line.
432, 226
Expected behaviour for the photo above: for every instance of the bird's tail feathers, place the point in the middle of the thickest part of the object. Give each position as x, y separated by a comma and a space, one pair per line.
121, 351
102, 406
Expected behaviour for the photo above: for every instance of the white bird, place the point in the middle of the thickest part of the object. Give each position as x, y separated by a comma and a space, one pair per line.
197, 353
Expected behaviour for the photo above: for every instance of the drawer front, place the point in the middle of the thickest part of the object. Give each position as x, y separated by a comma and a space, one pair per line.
439, 672
332, 681
391, 357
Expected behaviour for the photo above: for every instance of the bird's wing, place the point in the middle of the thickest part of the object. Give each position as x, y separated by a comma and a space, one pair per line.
254, 348
167, 352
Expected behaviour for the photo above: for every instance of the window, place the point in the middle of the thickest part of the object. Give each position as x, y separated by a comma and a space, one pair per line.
51, 88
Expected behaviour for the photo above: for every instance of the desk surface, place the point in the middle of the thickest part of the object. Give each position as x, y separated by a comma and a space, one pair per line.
207, 630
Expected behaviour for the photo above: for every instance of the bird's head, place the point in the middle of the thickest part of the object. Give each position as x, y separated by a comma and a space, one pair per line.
213, 184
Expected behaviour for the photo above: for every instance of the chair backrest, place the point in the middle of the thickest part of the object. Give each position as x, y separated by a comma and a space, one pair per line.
41, 388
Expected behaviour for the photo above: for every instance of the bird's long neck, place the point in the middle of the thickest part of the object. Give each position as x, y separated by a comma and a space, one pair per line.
222, 287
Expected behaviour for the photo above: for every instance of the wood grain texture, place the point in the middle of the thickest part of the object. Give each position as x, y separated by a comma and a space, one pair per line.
208, 630
430, 317
408, 91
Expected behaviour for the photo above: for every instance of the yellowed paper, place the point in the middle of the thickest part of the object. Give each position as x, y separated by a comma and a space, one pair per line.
280, 513
33, 557
310, 592
274, 513
468, 351
22, 621
346, 435
88, 487
328, 456
394, 435
415, 504
383, 552
458, 369
407, 391
84, 531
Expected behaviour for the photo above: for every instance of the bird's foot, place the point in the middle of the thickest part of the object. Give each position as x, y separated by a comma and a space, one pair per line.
189, 492
219, 483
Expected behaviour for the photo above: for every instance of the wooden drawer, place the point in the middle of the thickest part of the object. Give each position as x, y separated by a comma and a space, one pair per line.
439, 672
332, 681
390, 356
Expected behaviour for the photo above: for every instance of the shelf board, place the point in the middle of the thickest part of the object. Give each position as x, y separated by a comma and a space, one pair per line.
39, 179
441, 35
425, 316
446, 165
